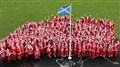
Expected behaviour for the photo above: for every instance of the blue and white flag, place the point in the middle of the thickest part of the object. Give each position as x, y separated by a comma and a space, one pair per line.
64, 10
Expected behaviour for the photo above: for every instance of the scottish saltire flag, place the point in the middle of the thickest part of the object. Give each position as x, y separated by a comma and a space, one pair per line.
64, 10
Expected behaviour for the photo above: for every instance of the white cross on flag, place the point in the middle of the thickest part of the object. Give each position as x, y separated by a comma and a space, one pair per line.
64, 10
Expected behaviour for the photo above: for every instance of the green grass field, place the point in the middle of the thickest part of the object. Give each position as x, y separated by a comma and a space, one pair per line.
14, 13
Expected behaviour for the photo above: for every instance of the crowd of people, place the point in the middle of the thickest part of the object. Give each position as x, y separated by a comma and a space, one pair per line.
89, 37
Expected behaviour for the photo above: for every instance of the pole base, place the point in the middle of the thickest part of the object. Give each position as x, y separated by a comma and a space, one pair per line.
69, 58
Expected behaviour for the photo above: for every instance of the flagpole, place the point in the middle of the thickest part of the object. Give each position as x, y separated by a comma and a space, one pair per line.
70, 43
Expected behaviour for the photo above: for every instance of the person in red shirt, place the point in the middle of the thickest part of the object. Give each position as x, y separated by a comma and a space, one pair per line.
93, 50
101, 48
14, 54
83, 49
26, 51
8, 54
59, 46
48, 50
18, 50
41, 47
104, 50
62, 50
88, 48
54, 47
30, 50
21, 48
79, 50
110, 50
14, 50
75, 49
66, 49
3, 53
19, 54
97, 50
117, 45
36, 52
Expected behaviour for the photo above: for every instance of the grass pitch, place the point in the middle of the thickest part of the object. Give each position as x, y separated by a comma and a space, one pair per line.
14, 13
